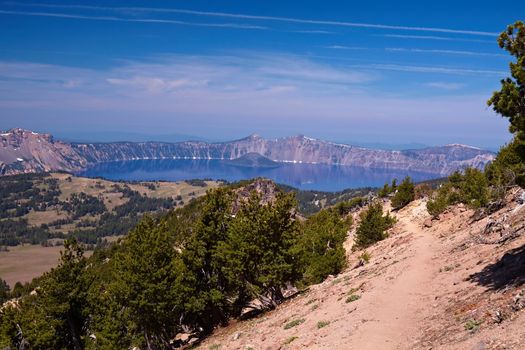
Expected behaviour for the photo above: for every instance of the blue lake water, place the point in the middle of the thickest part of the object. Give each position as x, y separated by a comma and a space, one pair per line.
302, 176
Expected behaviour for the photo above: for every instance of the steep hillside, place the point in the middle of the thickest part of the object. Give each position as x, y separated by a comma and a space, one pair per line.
25, 151
451, 283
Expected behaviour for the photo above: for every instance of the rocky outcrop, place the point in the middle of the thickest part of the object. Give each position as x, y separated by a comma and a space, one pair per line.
23, 151
26, 151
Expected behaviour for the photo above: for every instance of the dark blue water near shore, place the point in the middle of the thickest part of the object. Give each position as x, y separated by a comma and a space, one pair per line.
303, 176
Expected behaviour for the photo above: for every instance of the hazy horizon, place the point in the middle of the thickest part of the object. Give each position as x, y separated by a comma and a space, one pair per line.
377, 73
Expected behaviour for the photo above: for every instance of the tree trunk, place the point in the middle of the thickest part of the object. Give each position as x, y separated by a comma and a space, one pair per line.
74, 333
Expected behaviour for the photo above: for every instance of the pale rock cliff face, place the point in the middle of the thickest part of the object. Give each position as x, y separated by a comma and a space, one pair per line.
440, 160
25, 151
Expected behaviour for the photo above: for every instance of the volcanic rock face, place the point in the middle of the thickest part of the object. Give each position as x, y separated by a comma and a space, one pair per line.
25, 151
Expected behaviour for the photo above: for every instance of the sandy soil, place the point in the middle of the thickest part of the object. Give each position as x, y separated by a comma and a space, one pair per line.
425, 287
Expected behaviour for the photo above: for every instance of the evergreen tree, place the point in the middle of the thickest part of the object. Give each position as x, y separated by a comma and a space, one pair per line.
109, 327
52, 317
509, 102
4, 291
474, 190
146, 284
321, 245
388, 189
404, 195
208, 303
373, 225
256, 256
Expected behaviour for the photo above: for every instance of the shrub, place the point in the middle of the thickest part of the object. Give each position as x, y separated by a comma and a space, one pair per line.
365, 256
509, 166
290, 340
294, 323
438, 204
472, 325
404, 195
346, 207
322, 324
373, 226
470, 188
352, 298
474, 190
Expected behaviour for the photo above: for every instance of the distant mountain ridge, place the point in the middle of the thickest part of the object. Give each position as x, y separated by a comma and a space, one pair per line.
23, 151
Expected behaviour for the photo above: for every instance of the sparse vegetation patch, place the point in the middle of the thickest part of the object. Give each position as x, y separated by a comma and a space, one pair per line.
352, 298
294, 323
322, 324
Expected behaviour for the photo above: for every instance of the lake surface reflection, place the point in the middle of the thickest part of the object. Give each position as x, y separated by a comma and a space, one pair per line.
303, 176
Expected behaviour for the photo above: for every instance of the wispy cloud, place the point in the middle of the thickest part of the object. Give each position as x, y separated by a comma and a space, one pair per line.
257, 91
183, 73
417, 50
445, 86
343, 47
138, 20
431, 37
266, 18
156, 84
446, 52
434, 69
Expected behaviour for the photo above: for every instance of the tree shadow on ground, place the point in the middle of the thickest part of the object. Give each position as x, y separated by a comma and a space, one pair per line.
508, 271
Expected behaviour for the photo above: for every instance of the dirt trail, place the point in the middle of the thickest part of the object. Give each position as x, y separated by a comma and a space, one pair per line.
425, 287
397, 304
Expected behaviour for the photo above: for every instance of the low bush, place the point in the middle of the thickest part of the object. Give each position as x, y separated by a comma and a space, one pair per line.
294, 323
352, 298
470, 188
322, 324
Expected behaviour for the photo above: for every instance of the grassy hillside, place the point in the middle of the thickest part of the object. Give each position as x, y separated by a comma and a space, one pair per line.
46, 208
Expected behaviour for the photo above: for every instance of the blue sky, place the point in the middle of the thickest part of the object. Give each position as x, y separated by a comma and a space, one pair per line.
390, 72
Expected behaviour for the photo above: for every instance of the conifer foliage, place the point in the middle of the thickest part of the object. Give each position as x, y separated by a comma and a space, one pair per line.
373, 226
470, 188
188, 271
405, 194
321, 245
53, 316
509, 102
4, 291
145, 283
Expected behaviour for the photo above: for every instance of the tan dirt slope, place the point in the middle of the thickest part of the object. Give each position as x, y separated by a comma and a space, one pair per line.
443, 284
